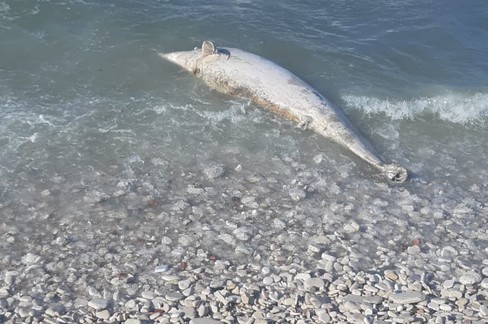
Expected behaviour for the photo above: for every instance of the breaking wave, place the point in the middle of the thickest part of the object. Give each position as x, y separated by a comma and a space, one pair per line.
454, 107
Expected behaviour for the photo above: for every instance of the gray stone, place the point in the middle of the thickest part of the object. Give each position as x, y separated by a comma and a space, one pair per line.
314, 282
213, 170
169, 277
484, 283
184, 284
202, 310
445, 307
470, 278
409, 297
351, 227
483, 311
189, 311
324, 317
174, 296
314, 248
103, 314
245, 297
4, 292
484, 271
130, 304
204, 320
349, 306
23, 311
133, 321
302, 276
328, 257
3, 303
98, 303
456, 294
354, 298
448, 283
390, 274
433, 306
297, 194
220, 297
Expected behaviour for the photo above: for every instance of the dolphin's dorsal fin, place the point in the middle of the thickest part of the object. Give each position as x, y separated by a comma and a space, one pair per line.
208, 48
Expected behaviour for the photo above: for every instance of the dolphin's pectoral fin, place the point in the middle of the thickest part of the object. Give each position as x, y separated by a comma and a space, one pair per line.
305, 121
396, 173
208, 48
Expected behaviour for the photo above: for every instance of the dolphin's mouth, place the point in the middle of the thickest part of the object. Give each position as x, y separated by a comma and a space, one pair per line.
169, 57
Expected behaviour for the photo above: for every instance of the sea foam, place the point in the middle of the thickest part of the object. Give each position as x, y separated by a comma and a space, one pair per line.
455, 107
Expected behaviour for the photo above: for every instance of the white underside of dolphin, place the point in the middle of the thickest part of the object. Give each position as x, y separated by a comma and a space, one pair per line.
242, 74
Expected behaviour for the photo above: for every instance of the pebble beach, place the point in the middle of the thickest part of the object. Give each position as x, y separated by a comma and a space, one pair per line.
131, 193
205, 249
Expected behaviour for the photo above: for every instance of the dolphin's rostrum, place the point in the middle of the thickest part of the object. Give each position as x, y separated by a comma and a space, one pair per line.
242, 74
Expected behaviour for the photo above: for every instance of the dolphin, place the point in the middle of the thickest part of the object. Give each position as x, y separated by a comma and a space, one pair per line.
246, 75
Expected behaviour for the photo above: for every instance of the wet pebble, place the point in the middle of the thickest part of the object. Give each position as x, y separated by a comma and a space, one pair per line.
470, 278
214, 170
297, 194
98, 303
148, 294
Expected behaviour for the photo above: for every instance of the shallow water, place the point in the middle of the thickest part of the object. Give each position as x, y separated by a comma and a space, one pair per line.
100, 137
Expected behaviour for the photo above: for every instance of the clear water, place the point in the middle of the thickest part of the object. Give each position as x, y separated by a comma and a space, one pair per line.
91, 114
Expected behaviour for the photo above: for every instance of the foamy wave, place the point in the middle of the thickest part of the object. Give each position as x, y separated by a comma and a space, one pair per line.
453, 107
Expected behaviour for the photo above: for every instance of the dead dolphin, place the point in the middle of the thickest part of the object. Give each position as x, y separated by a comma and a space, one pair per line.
242, 74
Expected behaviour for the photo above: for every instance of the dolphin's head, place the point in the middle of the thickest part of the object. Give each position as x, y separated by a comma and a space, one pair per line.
190, 60
186, 59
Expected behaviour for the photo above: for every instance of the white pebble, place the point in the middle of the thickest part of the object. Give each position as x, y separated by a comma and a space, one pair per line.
484, 271
297, 194
470, 278
174, 296
448, 283
213, 170
184, 284
484, 283
351, 227
314, 282
98, 303
133, 321
483, 311
169, 277
409, 297
103, 314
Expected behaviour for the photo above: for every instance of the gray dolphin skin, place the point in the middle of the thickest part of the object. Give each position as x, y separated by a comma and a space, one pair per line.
242, 74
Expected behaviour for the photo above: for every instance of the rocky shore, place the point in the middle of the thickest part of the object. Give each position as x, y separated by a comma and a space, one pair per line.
203, 248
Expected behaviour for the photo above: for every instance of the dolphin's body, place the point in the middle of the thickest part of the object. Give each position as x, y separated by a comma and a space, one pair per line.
238, 73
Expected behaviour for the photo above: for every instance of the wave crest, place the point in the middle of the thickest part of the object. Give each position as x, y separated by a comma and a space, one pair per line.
459, 108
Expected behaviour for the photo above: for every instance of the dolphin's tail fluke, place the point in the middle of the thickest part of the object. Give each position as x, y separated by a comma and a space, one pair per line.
395, 172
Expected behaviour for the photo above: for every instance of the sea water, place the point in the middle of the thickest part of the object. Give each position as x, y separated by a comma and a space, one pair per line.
92, 121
